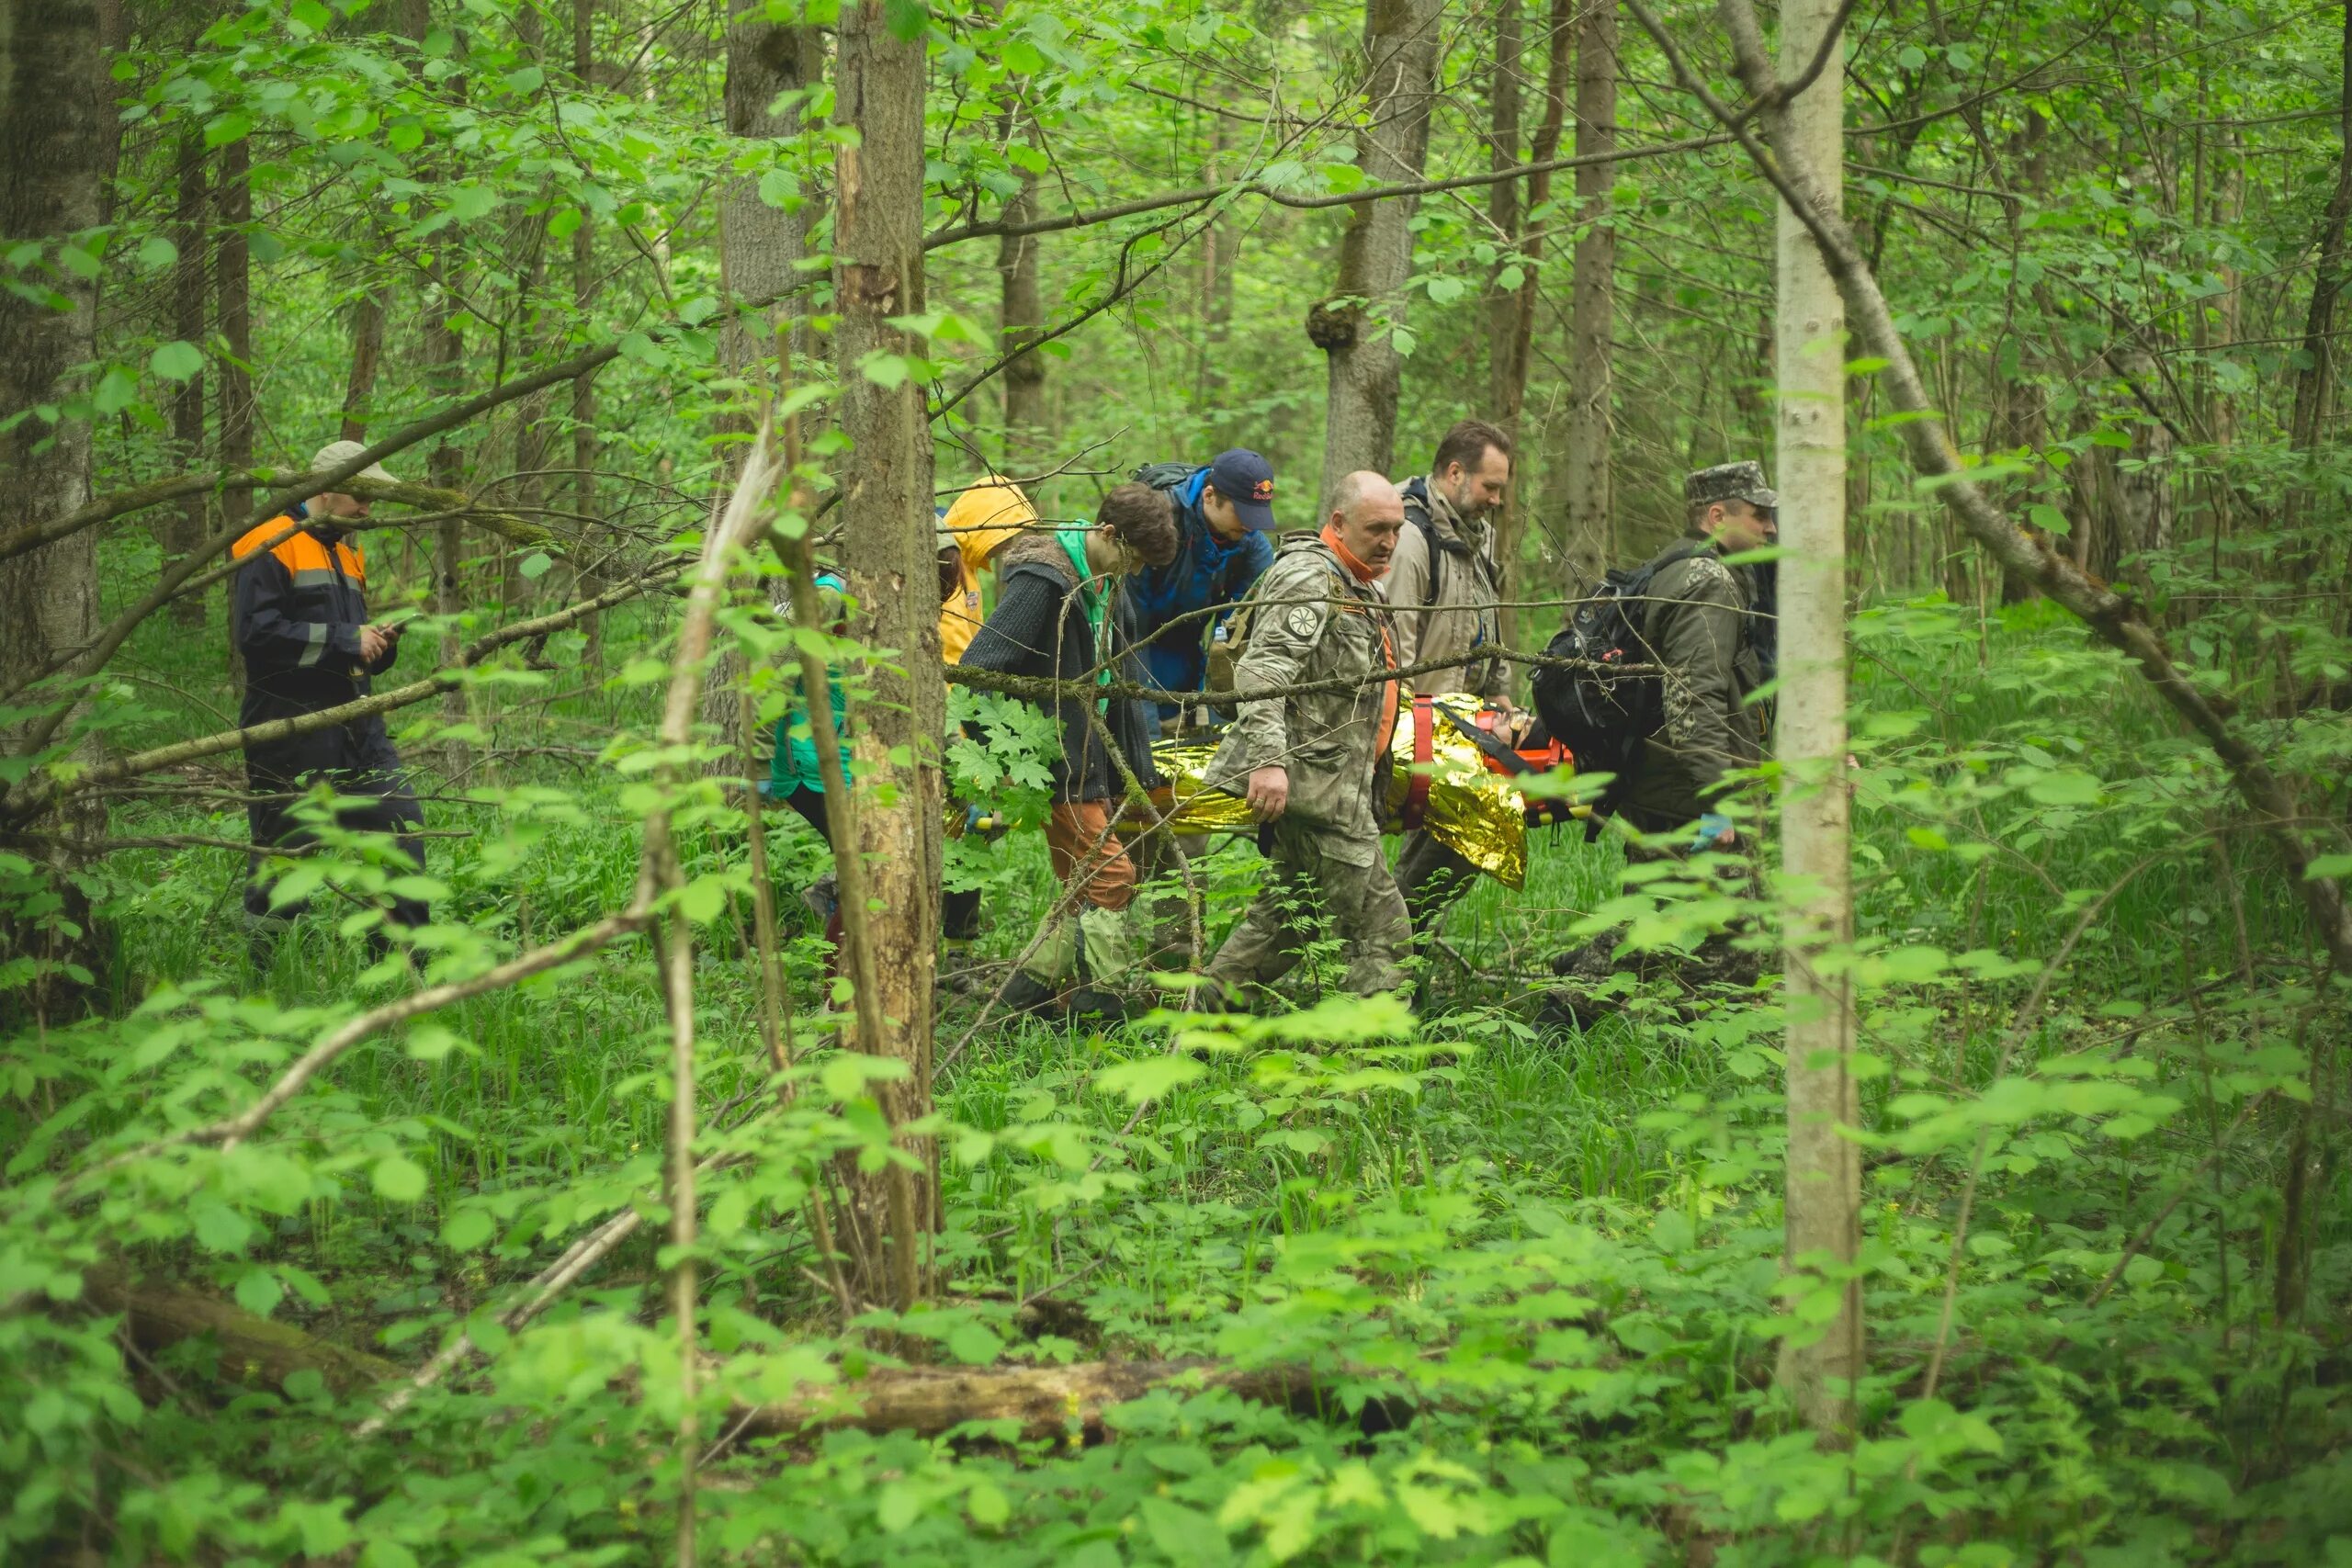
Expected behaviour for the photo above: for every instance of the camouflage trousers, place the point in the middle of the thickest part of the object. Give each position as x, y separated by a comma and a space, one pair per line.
1313, 864
1431, 876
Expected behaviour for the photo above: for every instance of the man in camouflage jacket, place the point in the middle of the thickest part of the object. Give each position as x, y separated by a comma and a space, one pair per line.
1314, 764
1702, 628
1705, 628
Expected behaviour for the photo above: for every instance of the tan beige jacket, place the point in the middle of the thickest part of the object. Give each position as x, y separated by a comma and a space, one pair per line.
1462, 626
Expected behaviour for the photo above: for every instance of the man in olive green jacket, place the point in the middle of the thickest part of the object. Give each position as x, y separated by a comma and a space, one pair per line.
1314, 764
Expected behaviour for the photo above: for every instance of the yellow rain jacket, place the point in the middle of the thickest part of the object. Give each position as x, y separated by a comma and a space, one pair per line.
984, 518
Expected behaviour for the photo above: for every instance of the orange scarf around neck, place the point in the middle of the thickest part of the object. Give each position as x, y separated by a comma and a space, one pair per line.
1388, 698
1347, 557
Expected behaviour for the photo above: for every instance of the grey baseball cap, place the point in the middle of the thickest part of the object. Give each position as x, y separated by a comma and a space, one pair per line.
335, 454
1730, 482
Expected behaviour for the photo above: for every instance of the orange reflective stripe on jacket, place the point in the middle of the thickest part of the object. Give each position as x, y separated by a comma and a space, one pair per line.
300, 553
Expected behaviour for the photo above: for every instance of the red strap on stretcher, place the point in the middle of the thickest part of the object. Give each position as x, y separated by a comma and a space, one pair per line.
1416, 791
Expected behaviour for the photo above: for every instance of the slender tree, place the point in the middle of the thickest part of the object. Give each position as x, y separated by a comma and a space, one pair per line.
887, 551
1355, 326
1022, 318
1824, 1164
583, 301
186, 526
1510, 525
232, 278
1590, 502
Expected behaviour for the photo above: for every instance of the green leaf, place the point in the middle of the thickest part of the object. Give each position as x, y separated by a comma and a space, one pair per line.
312, 16
156, 253
219, 1228
887, 371
1912, 57
2048, 518
2329, 865
176, 361
467, 1229
224, 129
1149, 1079
534, 564
974, 1344
258, 1291
399, 1178
988, 1506
117, 389
527, 81
905, 19
703, 899
2066, 789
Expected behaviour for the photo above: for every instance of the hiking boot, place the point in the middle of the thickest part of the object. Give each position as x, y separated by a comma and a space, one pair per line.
1091, 1004
1024, 993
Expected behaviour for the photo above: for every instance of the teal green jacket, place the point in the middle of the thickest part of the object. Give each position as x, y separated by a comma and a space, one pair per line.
793, 765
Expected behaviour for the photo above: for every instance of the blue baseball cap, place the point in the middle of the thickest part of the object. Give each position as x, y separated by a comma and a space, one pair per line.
1246, 479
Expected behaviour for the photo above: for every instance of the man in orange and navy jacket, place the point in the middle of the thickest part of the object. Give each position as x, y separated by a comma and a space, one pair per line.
300, 622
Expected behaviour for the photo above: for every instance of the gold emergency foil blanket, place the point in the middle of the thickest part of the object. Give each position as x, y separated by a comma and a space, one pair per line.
1193, 806
1471, 809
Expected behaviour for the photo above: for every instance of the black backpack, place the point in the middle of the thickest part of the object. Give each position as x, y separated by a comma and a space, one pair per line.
1165, 476
1602, 716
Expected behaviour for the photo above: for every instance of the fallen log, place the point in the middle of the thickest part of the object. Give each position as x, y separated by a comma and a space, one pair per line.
252, 1349
1046, 1402
1066, 1402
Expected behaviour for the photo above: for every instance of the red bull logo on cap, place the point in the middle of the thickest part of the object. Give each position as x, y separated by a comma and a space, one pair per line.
1262, 491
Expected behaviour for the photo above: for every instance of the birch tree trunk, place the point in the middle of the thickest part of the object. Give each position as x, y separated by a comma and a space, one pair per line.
1824, 1166
1354, 327
888, 560
1592, 308
57, 118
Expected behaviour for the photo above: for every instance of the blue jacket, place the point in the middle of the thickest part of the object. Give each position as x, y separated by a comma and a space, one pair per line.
1206, 573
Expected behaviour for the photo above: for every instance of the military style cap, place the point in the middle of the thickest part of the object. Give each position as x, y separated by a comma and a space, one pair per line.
1730, 482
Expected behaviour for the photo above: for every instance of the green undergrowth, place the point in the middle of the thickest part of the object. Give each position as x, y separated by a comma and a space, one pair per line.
1529, 1275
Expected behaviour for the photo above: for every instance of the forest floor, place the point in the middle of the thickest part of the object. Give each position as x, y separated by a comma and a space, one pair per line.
1530, 1274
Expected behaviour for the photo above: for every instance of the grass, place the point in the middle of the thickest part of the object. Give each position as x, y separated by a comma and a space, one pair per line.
1361, 1198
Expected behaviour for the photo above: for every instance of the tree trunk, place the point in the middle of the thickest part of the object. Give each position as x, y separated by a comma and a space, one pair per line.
583, 388
366, 359
1505, 375
1219, 244
57, 118
1823, 1168
2315, 378
757, 247
1590, 512
758, 244
444, 351
1354, 328
527, 495
887, 554
186, 530
234, 262
1506, 359
1023, 317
